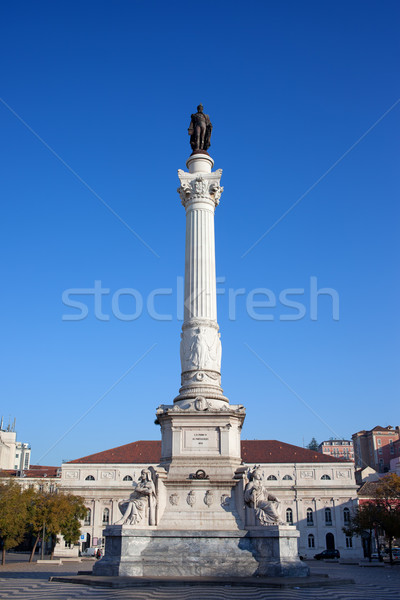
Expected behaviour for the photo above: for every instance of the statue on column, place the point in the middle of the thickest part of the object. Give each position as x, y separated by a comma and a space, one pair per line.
265, 504
200, 130
144, 495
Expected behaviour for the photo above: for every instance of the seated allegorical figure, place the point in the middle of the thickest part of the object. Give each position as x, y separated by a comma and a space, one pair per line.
144, 495
265, 504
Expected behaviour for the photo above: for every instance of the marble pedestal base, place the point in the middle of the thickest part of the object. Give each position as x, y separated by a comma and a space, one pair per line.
263, 551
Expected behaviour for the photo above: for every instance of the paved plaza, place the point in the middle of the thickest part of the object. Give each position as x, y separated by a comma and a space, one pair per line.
21, 581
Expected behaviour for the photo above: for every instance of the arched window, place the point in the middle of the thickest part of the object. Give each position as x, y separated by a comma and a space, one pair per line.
328, 516
346, 515
271, 478
289, 516
127, 478
310, 517
311, 541
326, 477
89, 478
88, 517
286, 477
106, 516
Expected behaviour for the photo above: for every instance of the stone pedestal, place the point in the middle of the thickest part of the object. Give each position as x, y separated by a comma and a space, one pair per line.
263, 551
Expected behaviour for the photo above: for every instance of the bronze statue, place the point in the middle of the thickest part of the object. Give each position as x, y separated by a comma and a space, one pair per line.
200, 130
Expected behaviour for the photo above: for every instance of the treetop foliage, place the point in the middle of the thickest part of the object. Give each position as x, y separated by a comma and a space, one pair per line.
23, 511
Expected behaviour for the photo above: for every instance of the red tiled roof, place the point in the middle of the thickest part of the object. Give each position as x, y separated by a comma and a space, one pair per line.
39, 471
273, 451
136, 452
253, 451
33, 471
368, 489
379, 428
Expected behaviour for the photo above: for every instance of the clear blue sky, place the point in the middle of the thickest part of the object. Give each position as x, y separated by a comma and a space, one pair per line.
109, 86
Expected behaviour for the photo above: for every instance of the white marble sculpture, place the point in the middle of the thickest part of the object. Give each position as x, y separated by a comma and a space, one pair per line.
264, 504
144, 495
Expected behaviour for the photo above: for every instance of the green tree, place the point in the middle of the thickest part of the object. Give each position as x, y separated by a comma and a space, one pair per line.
313, 445
364, 523
38, 514
64, 515
387, 497
383, 511
13, 515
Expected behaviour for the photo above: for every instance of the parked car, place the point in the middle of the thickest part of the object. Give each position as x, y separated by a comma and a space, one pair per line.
327, 554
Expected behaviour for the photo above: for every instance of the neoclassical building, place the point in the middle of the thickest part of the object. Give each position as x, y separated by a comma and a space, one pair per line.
317, 493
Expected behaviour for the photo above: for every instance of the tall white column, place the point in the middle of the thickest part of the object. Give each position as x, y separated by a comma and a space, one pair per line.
200, 192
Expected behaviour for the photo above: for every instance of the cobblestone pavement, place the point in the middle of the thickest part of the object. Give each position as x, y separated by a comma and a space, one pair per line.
20, 581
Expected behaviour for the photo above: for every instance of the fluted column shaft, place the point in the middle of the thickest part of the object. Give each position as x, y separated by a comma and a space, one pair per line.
200, 344
200, 285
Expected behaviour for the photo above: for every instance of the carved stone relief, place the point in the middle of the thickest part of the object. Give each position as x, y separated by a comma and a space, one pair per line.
342, 474
205, 186
306, 474
208, 498
225, 500
201, 403
174, 499
191, 498
200, 349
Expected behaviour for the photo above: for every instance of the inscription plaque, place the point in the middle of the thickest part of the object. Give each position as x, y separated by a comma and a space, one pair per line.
201, 440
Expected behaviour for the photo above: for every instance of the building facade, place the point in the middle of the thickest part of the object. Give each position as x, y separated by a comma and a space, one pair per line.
338, 448
375, 448
13, 455
317, 493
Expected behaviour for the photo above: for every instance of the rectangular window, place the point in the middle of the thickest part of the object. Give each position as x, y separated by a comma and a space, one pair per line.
349, 541
328, 516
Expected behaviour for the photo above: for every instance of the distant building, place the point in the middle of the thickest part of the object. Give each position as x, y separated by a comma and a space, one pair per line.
376, 448
338, 448
395, 460
13, 455
38, 477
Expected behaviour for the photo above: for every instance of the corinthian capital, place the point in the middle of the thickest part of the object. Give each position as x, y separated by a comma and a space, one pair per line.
200, 186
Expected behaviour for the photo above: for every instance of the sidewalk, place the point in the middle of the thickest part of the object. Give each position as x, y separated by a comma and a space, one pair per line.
20, 580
